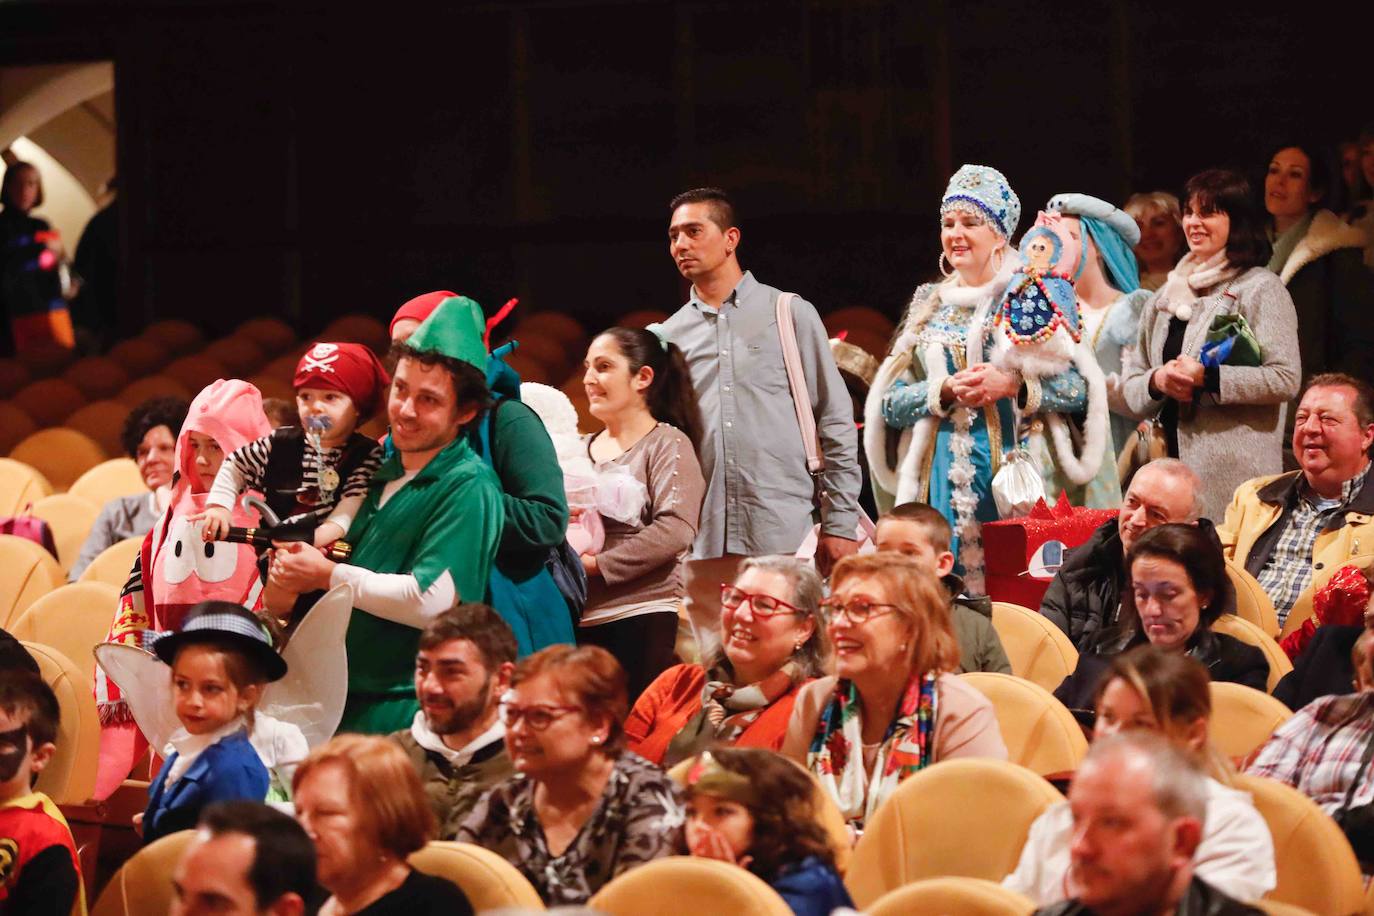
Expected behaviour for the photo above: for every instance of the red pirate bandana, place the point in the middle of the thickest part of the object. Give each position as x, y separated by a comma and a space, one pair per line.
420, 308
347, 367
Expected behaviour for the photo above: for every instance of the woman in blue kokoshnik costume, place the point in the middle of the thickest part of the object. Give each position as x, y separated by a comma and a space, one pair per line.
959, 403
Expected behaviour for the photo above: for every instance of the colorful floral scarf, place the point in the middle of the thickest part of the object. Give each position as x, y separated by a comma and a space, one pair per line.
836, 754
727, 710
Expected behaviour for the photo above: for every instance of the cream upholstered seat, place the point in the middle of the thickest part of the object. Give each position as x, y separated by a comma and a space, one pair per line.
1040, 732
489, 881
1245, 631
1037, 649
1243, 718
109, 480
70, 518
113, 564
944, 896
69, 777
27, 573
153, 386
175, 335
1252, 601
965, 817
104, 422
60, 454
20, 485
97, 376
49, 401
1316, 868
15, 425
143, 885
195, 372
678, 884
71, 619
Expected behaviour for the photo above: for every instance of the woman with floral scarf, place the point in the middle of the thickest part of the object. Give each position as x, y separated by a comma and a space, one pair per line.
771, 642
957, 406
1218, 406
894, 706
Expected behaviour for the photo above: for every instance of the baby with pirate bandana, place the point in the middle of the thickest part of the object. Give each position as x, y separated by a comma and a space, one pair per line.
317, 472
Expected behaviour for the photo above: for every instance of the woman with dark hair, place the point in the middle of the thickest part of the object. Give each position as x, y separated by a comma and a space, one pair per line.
149, 437
770, 643
1320, 259
1148, 689
580, 809
755, 809
33, 311
1178, 588
639, 387
1229, 405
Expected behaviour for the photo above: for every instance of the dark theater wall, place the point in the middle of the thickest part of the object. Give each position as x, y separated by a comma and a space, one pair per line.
292, 159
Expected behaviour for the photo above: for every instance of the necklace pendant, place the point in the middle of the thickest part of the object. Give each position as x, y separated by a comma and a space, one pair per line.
329, 482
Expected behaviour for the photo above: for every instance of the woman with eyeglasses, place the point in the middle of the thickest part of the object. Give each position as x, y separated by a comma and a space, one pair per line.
639, 386
893, 706
580, 809
770, 643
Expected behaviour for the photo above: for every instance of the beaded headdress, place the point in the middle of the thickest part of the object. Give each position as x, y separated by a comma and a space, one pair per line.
986, 191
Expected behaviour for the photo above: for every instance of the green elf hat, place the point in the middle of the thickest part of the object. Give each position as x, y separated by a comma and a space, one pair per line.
455, 329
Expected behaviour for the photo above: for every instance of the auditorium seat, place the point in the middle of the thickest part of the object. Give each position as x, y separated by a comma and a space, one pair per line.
27, 573
488, 880
21, 484
239, 356
103, 421
113, 564
1039, 731
69, 777
195, 372
70, 518
1252, 602
1037, 649
13, 376
1316, 868
72, 619
49, 401
272, 334
946, 896
1245, 631
140, 356
153, 386
677, 884
97, 376
60, 454
1243, 718
15, 425
179, 337
143, 885
966, 817
109, 480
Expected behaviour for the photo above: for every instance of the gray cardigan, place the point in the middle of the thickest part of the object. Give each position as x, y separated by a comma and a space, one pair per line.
1236, 434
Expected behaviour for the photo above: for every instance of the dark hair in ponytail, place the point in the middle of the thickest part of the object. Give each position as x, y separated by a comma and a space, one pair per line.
670, 395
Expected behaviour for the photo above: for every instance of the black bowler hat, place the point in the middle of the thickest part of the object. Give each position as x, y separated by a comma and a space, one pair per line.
220, 622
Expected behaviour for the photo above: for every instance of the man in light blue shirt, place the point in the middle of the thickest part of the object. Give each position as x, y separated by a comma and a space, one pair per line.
760, 498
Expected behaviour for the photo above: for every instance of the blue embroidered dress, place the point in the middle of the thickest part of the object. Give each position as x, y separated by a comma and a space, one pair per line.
935, 335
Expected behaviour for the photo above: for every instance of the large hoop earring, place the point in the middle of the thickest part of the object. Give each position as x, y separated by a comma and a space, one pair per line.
945, 273
1000, 256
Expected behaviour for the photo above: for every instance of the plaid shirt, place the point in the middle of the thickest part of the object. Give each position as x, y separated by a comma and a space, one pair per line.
1318, 751
1289, 569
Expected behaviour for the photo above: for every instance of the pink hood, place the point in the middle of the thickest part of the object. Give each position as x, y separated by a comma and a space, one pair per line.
230, 412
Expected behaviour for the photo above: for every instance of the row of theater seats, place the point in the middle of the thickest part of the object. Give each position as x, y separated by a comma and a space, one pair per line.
1042, 737
938, 846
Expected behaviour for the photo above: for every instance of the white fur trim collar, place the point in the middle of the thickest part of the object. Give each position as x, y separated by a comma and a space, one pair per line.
1326, 234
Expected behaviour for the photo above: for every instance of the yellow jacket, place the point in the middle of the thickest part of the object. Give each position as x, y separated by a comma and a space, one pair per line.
1249, 533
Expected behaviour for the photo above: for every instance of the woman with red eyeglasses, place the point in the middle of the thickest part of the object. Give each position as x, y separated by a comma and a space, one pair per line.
580, 809
894, 705
771, 642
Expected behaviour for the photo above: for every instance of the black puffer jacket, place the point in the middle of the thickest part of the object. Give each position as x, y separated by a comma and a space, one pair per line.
1085, 596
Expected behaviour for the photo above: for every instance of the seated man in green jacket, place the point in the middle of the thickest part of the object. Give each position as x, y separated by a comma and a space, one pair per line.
427, 532
920, 532
457, 742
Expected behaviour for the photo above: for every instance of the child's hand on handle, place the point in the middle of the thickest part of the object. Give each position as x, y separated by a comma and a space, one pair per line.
216, 522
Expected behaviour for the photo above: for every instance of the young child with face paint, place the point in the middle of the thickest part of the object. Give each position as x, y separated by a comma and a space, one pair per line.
220, 661
39, 869
318, 471
755, 809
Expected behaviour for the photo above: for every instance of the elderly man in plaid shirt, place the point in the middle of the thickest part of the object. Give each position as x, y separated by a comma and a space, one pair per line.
1293, 531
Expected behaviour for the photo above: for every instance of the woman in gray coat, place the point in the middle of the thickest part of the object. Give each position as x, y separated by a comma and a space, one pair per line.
1225, 421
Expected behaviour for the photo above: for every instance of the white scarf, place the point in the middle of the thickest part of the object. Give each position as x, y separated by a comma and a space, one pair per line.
1190, 277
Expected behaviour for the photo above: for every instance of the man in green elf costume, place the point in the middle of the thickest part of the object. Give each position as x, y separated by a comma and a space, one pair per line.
427, 533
